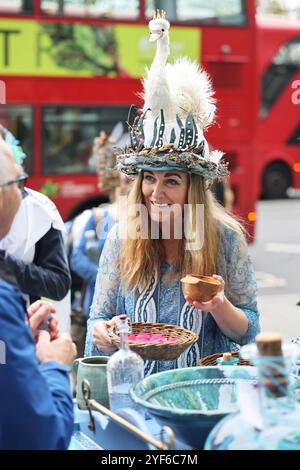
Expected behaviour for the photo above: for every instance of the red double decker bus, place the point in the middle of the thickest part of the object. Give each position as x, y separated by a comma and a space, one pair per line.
73, 67
278, 153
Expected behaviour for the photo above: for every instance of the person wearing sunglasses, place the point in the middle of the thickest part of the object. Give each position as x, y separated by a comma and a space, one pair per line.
20, 181
36, 409
34, 249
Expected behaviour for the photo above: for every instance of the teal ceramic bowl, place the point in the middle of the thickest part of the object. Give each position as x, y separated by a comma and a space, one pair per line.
192, 400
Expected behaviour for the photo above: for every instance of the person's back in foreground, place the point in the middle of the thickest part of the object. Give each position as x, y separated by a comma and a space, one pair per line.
36, 410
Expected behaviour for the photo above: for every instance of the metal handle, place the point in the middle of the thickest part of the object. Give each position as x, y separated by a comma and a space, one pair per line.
163, 444
86, 392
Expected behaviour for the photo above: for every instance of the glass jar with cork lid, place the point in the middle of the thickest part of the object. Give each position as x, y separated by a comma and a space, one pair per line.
269, 416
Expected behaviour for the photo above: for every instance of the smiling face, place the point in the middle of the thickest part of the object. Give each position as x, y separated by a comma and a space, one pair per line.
164, 193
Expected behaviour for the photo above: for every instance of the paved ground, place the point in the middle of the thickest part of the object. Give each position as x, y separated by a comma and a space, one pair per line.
276, 258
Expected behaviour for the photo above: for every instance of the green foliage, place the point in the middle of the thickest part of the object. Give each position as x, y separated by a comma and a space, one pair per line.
50, 188
275, 7
83, 47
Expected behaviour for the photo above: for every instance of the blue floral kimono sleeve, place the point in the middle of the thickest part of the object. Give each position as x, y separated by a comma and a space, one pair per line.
240, 284
104, 305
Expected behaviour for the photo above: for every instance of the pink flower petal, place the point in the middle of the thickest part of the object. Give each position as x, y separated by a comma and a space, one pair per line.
143, 338
132, 337
142, 333
154, 340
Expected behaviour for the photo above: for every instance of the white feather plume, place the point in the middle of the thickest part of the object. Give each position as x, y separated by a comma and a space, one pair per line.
191, 91
215, 156
179, 88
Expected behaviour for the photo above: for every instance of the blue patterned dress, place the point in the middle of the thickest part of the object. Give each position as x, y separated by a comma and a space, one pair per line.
163, 301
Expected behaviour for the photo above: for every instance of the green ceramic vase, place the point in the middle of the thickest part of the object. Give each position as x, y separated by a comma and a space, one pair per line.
94, 370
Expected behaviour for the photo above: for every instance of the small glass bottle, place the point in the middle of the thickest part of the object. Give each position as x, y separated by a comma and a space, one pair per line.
227, 359
91, 246
279, 408
125, 369
275, 423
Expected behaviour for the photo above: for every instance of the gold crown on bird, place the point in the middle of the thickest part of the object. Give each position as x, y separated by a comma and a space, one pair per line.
158, 14
178, 107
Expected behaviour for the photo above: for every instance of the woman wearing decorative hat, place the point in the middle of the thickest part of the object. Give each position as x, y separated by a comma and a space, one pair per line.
174, 225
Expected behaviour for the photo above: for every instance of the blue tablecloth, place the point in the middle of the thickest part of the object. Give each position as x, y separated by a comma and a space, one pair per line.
109, 435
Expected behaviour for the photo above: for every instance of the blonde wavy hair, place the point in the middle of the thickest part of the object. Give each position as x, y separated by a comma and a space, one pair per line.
140, 257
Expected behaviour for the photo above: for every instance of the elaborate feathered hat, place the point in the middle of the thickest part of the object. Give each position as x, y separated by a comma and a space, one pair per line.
178, 108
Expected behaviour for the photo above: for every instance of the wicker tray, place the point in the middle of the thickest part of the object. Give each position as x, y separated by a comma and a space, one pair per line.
212, 360
158, 351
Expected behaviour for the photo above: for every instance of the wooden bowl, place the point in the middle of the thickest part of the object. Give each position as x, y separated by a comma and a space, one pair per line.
200, 288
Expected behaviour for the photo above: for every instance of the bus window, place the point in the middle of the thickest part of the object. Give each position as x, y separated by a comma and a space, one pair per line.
278, 75
115, 9
15, 7
19, 120
68, 134
295, 140
216, 12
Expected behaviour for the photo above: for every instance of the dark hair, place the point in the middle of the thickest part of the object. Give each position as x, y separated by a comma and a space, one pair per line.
218, 188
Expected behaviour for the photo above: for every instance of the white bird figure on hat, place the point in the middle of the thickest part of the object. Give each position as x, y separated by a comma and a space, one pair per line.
178, 88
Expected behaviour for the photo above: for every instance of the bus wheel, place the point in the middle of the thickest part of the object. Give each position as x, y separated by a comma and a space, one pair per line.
276, 180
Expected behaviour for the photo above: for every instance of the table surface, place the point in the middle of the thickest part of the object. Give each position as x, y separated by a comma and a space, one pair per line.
109, 435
